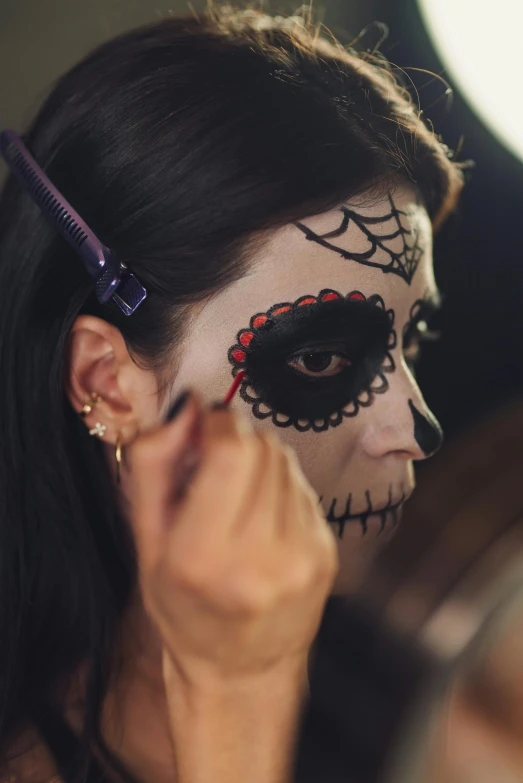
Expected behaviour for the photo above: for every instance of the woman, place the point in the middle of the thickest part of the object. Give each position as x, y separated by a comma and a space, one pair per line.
275, 194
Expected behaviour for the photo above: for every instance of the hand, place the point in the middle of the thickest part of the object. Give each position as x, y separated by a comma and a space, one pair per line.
235, 573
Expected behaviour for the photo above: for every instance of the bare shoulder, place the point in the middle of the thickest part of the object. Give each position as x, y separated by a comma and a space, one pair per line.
28, 760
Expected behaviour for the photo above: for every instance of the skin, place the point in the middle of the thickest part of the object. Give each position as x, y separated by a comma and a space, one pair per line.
372, 452
237, 589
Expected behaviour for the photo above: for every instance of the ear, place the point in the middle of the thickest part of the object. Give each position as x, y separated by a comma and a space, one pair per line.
98, 362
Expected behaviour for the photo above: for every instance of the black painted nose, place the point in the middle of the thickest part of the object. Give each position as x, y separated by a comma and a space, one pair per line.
428, 433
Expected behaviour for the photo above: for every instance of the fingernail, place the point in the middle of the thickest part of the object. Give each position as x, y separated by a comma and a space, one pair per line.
186, 471
177, 406
219, 406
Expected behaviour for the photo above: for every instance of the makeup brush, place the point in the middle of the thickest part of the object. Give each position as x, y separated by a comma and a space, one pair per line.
234, 388
231, 393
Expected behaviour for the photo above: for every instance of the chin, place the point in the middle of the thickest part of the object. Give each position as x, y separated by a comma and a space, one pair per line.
357, 551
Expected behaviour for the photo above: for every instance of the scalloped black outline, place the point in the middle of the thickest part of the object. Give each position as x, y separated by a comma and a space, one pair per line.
364, 399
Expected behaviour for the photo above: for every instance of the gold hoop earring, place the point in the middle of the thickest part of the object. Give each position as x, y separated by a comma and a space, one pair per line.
89, 405
118, 455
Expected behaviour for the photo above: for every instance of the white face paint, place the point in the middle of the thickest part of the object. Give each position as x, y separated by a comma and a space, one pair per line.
366, 456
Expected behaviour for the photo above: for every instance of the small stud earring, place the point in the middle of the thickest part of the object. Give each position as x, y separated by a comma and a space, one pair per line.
98, 429
89, 405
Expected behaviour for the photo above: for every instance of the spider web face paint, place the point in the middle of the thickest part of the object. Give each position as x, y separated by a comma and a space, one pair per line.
357, 332
392, 232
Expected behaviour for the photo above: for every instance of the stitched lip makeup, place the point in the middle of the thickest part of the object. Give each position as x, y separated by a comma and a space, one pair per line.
384, 516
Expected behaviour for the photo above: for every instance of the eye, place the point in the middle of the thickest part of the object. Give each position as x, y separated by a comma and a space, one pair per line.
319, 363
416, 334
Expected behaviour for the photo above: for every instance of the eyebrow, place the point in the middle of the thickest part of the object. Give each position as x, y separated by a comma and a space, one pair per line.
340, 313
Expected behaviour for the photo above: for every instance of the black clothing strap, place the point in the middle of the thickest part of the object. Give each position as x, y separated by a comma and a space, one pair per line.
363, 680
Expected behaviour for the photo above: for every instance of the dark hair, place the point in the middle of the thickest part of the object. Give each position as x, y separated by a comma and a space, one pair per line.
177, 143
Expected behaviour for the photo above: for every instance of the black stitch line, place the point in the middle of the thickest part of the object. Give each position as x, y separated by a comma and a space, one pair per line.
342, 519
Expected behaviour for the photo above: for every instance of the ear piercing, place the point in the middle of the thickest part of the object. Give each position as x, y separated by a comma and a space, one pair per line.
98, 429
89, 405
118, 456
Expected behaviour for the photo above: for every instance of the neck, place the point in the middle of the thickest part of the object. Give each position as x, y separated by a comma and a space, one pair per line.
135, 720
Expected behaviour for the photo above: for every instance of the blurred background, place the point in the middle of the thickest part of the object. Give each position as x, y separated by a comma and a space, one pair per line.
477, 366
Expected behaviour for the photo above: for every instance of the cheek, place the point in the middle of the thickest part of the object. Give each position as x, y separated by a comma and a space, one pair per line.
146, 389
324, 457
204, 369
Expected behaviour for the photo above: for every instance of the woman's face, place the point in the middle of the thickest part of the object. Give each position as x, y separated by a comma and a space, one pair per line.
324, 325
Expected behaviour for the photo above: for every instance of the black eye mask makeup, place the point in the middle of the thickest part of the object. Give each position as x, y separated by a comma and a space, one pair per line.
312, 363
380, 232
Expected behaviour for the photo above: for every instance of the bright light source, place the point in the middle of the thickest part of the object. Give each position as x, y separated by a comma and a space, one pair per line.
480, 43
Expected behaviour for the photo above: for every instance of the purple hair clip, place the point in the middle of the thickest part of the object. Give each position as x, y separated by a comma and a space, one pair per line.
113, 279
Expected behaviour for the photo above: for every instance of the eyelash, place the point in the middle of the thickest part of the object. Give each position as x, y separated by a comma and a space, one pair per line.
334, 353
412, 348
418, 334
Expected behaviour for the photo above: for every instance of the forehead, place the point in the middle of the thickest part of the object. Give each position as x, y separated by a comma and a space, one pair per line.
288, 266
339, 250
